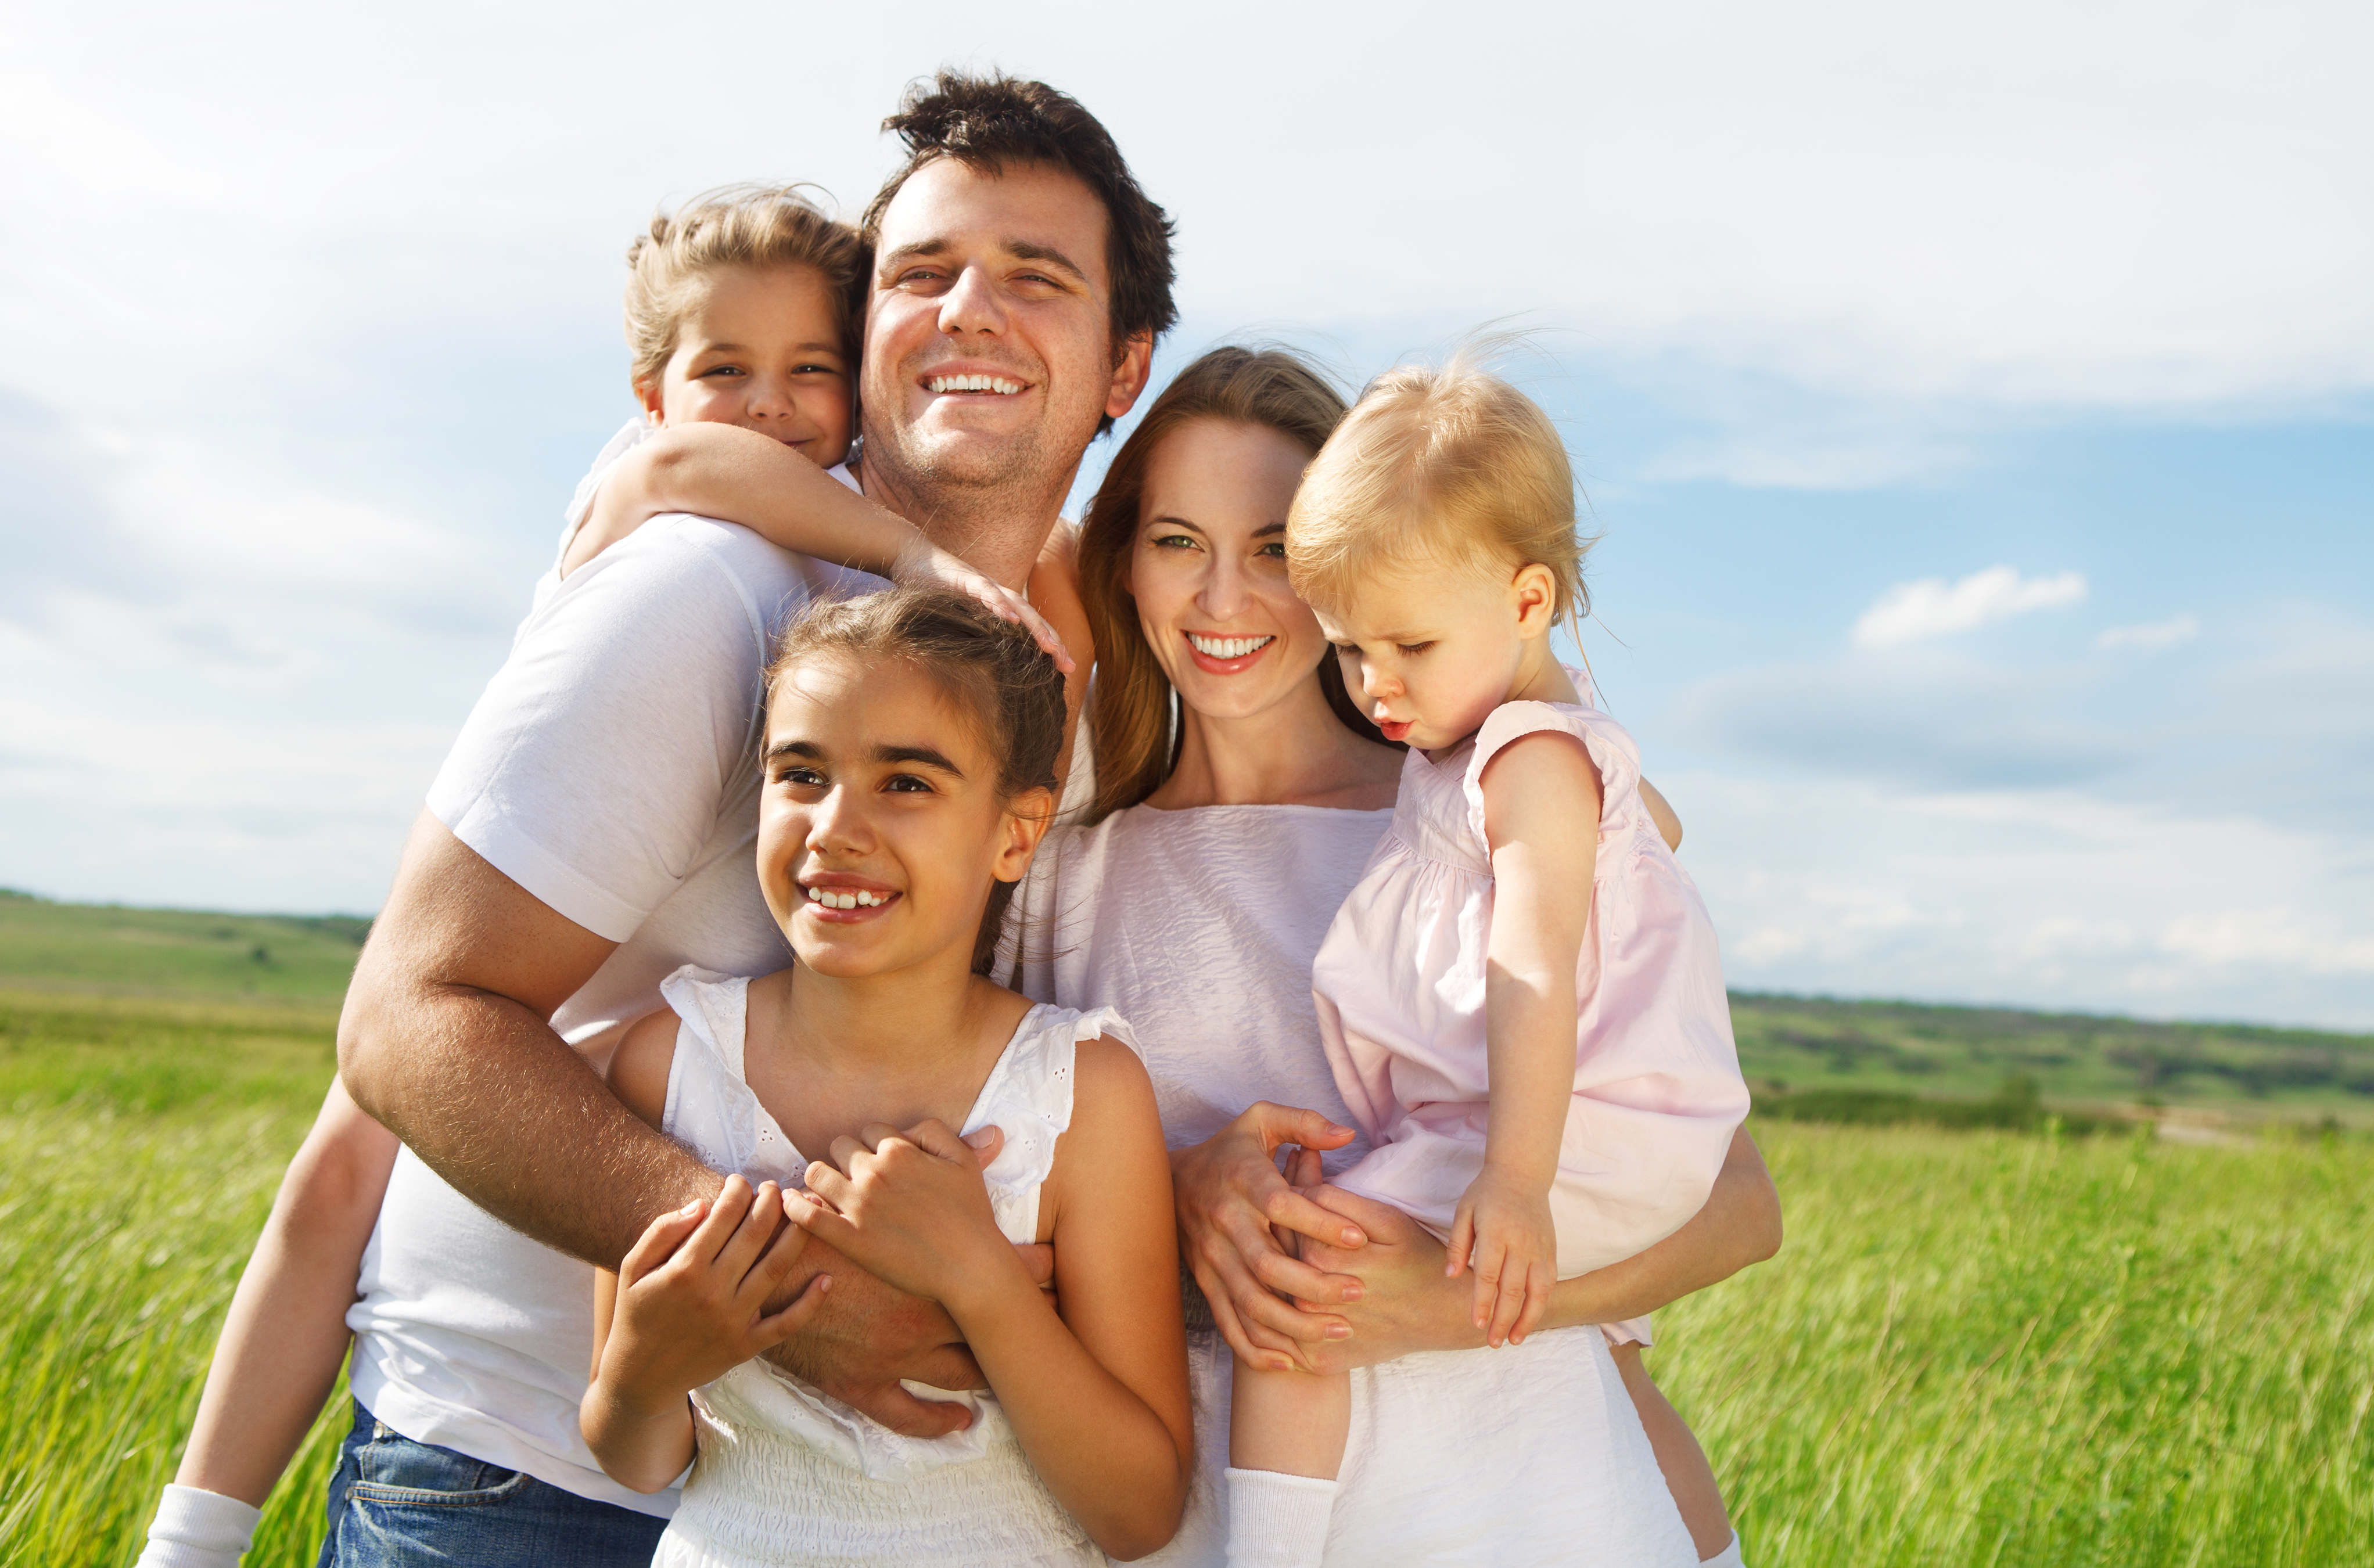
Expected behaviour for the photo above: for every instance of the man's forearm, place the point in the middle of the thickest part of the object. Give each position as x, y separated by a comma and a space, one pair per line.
501, 1107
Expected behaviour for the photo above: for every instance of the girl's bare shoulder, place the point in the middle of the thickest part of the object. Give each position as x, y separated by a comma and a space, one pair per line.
639, 1068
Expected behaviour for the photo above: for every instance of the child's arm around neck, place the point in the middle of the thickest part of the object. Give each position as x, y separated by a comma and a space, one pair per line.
723, 471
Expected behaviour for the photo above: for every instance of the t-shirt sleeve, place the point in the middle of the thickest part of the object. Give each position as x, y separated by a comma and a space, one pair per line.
592, 770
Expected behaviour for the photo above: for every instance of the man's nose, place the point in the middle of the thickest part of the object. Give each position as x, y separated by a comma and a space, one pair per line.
972, 305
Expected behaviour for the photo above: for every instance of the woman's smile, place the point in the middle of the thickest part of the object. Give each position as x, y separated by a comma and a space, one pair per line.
1221, 655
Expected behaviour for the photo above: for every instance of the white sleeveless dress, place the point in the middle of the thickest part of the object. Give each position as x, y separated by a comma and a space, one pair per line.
784, 1473
1201, 925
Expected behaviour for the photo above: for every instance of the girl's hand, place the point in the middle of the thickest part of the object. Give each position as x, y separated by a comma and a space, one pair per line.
1233, 1205
692, 1296
910, 1209
923, 564
1504, 1225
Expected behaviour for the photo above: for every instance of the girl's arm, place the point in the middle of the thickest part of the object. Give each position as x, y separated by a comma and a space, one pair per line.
723, 471
1542, 849
1097, 1392
286, 1335
688, 1302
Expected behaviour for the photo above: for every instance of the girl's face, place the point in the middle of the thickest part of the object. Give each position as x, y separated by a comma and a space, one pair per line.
881, 825
1429, 652
760, 349
1208, 569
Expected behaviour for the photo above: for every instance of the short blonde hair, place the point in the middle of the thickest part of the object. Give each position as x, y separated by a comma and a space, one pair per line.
1450, 467
752, 225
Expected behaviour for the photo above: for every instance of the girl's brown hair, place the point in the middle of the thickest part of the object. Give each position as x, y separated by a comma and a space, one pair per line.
745, 226
989, 669
1130, 709
1437, 469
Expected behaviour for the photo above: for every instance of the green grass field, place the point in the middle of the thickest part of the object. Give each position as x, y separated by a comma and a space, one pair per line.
1977, 1348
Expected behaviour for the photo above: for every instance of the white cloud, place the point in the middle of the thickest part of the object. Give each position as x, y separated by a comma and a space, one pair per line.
1932, 607
2152, 636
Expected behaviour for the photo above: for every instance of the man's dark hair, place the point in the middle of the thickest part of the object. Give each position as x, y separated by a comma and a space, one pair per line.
989, 122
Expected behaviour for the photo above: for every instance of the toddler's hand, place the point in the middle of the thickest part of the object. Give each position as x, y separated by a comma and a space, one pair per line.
1505, 1225
926, 565
692, 1293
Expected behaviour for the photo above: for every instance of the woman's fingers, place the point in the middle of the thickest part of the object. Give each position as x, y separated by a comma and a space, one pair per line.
1277, 1125
658, 1241
1283, 1207
1293, 1277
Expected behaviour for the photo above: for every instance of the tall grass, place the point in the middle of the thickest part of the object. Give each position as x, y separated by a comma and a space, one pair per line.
1979, 1347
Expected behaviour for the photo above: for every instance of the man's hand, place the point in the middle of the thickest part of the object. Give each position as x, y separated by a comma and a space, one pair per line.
1233, 1206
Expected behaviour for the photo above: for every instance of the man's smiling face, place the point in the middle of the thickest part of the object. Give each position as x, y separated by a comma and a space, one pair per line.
989, 353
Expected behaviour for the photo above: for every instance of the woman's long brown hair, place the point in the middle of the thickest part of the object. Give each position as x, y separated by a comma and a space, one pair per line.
1131, 717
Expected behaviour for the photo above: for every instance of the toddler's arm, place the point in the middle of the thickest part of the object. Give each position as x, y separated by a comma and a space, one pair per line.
723, 471
1542, 849
285, 1334
1097, 1387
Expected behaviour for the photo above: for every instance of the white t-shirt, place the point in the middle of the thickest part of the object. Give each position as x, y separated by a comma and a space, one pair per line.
611, 770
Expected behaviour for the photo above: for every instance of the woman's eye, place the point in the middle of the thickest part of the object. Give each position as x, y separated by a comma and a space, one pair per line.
1274, 550
1173, 542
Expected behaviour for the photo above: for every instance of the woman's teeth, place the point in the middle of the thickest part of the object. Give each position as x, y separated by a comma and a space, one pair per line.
1229, 646
974, 383
851, 899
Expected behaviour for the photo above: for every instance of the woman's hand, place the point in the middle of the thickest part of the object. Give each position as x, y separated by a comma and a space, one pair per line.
1408, 1301
910, 1209
923, 564
1503, 1225
692, 1294
1233, 1206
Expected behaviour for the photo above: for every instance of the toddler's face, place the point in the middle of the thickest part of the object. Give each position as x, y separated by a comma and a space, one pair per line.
760, 350
881, 825
1429, 652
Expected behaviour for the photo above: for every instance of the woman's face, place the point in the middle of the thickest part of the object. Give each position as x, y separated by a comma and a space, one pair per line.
1208, 569
881, 825
760, 349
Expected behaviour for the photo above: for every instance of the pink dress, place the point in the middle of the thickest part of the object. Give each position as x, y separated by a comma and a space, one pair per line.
1400, 987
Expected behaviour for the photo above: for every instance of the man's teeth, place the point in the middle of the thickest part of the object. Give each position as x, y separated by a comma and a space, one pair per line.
974, 383
1228, 647
850, 899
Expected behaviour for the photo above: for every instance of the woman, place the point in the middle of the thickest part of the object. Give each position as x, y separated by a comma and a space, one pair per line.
1220, 843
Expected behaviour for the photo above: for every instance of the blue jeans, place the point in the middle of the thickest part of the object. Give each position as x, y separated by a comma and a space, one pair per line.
397, 1504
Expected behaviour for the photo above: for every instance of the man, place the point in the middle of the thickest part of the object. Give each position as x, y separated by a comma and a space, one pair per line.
591, 832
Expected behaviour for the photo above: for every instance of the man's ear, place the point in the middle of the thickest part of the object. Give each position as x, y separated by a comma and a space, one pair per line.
1130, 373
1533, 592
1027, 818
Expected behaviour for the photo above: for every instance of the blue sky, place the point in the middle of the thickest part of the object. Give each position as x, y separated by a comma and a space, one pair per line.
1978, 408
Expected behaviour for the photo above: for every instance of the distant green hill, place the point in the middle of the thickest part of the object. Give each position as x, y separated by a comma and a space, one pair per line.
113, 950
1834, 1059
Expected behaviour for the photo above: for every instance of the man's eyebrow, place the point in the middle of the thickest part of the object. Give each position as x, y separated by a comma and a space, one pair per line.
1029, 251
923, 754
892, 260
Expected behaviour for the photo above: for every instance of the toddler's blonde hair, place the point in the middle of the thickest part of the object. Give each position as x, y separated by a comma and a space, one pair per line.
754, 226
1451, 467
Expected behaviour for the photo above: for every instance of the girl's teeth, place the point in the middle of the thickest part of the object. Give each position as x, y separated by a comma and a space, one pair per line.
857, 899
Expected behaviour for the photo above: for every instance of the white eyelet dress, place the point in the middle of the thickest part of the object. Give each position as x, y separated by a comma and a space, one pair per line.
783, 1472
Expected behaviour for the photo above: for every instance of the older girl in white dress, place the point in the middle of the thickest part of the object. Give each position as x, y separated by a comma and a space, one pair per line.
910, 742
1226, 839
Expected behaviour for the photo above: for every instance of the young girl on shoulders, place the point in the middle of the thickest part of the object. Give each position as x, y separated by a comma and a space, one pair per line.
910, 744
1521, 997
